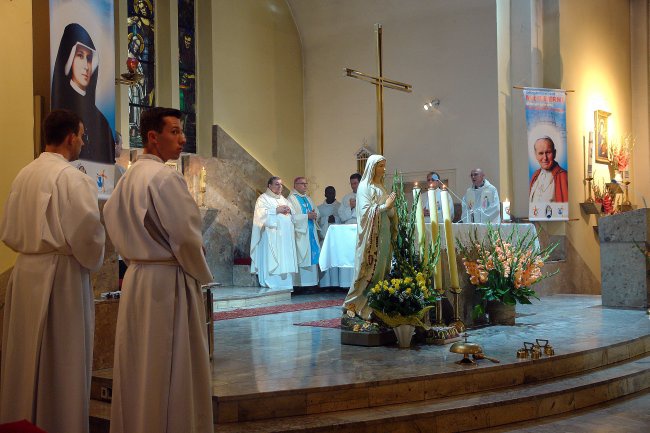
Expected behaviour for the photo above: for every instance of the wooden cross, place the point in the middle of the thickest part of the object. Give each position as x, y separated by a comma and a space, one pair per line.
380, 82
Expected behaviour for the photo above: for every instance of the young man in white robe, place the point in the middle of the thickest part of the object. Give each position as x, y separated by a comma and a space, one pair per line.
161, 372
305, 218
51, 220
433, 181
328, 211
481, 201
273, 245
347, 211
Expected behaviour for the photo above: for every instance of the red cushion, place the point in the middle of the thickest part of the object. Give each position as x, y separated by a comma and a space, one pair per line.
23, 426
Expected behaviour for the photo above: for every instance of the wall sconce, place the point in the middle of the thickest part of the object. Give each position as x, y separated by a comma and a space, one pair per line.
132, 77
434, 103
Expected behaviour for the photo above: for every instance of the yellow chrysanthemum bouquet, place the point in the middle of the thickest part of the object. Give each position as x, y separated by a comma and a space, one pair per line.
401, 301
504, 268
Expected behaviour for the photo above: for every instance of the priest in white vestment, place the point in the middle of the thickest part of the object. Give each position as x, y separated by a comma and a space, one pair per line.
51, 219
433, 181
377, 225
347, 211
273, 244
305, 217
328, 211
161, 373
481, 201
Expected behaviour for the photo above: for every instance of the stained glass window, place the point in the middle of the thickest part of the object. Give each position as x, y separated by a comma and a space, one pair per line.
187, 71
141, 46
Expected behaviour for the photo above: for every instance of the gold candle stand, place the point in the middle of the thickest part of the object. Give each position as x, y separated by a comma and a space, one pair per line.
590, 199
626, 202
439, 321
457, 322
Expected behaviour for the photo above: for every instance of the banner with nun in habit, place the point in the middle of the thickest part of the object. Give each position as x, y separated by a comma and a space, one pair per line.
82, 59
548, 192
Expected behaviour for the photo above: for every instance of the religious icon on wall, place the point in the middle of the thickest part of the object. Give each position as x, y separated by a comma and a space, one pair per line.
602, 143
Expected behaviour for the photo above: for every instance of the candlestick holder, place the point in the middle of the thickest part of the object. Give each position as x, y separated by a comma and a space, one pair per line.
626, 202
439, 321
589, 199
457, 322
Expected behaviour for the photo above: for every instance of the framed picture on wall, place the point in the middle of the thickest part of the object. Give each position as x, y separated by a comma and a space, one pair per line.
602, 143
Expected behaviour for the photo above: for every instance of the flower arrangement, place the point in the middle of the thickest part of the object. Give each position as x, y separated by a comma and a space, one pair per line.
619, 152
402, 300
407, 293
504, 269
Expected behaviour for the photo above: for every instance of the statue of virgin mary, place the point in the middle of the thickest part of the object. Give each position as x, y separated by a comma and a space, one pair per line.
377, 227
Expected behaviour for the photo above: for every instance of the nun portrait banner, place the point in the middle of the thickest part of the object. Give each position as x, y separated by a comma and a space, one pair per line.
82, 59
548, 192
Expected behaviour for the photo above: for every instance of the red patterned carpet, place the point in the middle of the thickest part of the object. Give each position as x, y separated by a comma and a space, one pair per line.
275, 309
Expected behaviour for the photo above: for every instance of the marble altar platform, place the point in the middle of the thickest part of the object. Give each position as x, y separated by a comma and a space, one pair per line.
271, 376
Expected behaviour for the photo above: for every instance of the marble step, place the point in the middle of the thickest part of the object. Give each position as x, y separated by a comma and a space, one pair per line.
232, 298
478, 410
464, 381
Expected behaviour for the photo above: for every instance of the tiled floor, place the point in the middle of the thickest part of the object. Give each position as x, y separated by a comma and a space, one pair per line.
269, 353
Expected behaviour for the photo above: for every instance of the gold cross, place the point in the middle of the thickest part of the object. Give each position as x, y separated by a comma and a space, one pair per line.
380, 82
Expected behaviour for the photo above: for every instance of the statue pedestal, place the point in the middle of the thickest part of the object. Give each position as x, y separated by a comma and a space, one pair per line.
624, 271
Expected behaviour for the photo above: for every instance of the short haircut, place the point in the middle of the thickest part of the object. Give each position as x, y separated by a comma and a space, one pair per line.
298, 178
271, 180
153, 119
547, 138
58, 124
356, 176
330, 188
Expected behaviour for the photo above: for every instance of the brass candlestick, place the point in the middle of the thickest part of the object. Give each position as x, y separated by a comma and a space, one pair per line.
457, 322
626, 202
203, 185
590, 199
439, 321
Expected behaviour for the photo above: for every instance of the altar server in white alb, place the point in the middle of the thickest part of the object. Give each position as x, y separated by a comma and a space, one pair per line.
305, 219
273, 243
481, 201
51, 220
328, 211
161, 373
347, 211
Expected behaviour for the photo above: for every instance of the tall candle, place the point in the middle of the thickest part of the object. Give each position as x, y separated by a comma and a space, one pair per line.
451, 245
203, 179
419, 221
584, 154
433, 212
506, 210
590, 155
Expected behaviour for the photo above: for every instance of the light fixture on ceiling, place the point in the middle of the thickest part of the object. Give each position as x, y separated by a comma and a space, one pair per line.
430, 105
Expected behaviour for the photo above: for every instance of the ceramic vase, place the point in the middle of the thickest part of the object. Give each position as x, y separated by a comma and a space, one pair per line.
500, 313
404, 335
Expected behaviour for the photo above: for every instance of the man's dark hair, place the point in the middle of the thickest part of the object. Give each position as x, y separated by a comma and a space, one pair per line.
330, 188
153, 119
356, 176
271, 180
58, 124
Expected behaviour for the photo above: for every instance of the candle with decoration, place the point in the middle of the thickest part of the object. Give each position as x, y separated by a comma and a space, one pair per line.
506, 210
435, 231
419, 220
590, 155
449, 238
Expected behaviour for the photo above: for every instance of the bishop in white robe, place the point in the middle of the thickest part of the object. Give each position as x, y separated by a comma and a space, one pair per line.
51, 219
305, 216
161, 373
273, 245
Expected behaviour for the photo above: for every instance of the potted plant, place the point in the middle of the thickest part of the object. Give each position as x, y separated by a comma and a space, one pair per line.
504, 270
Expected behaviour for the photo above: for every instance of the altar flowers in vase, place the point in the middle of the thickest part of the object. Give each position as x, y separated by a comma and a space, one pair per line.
504, 269
407, 293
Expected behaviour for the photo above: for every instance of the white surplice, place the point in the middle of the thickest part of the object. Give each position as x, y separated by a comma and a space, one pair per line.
325, 210
347, 214
52, 220
273, 245
481, 205
307, 243
161, 372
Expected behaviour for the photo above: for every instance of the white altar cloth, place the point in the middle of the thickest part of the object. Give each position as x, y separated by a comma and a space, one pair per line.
340, 242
